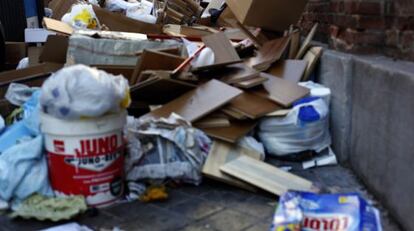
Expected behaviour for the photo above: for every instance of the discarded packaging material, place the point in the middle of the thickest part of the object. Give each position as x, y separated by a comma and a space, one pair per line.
326, 157
309, 211
82, 16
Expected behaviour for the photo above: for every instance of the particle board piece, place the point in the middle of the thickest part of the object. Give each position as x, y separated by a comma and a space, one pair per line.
306, 43
50, 53
199, 102
251, 82
269, 53
222, 153
253, 106
291, 70
155, 60
281, 91
265, 176
294, 44
279, 113
312, 57
224, 52
233, 114
58, 26
211, 122
236, 73
234, 132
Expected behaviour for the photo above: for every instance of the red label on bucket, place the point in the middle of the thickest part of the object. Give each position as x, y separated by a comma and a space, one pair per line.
91, 166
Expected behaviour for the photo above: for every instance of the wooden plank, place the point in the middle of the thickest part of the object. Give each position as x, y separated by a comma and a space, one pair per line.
251, 82
234, 132
306, 43
155, 60
265, 176
58, 26
224, 52
222, 153
291, 70
230, 74
199, 102
253, 106
211, 122
269, 53
281, 91
294, 44
50, 53
312, 58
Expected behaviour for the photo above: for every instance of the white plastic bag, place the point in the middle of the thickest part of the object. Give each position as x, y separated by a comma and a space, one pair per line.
17, 93
82, 16
140, 14
80, 91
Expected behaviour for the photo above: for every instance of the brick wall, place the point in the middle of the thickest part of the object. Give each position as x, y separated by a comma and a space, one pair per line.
364, 26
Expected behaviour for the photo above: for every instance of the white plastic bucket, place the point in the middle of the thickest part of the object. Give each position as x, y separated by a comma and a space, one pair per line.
86, 157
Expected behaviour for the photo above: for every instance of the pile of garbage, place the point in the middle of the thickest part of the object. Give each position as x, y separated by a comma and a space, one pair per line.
124, 97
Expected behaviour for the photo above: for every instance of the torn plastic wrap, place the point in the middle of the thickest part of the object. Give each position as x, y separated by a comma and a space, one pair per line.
91, 51
82, 16
169, 149
80, 91
325, 212
17, 94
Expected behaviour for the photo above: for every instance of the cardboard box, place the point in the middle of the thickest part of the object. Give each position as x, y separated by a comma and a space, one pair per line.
275, 15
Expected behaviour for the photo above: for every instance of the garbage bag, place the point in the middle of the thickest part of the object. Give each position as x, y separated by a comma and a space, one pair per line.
17, 94
80, 91
306, 127
169, 149
119, 5
141, 14
23, 171
82, 16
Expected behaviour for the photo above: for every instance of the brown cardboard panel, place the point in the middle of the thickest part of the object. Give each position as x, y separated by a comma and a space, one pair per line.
61, 7
160, 90
233, 114
312, 58
230, 74
253, 106
222, 153
251, 82
15, 51
32, 76
265, 176
118, 22
55, 48
212, 122
276, 15
34, 55
123, 70
281, 91
199, 102
155, 60
306, 44
58, 26
231, 134
269, 53
291, 70
294, 44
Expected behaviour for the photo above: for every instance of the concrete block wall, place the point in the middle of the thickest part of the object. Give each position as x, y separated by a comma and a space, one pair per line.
372, 124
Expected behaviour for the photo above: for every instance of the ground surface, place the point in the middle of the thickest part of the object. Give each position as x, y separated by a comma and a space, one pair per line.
210, 206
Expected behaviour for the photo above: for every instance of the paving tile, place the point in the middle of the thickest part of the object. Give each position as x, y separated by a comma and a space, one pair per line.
259, 207
198, 227
132, 211
100, 220
196, 208
227, 220
227, 198
261, 226
175, 196
20, 224
162, 220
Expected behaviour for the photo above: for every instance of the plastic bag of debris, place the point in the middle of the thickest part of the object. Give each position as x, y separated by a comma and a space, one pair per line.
82, 16
306, 127
168, 149
80, 91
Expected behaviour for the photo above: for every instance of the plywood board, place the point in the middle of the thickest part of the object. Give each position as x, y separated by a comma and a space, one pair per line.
222, 153
50, 52
232, 73
251, 82
199, 102
265, 176
281, 91
294, 44
155, 60
58, 26
312, 58
306, 43
234, 132
253, 106
269, 53
211, 122
291, 70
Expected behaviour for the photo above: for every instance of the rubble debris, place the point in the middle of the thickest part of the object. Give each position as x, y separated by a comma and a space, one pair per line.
49, 208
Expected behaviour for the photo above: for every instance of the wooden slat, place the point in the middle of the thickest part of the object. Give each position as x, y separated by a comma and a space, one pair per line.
265, 176
233, 133
291, 70
312, 58
222, 153
306, 43
253, 106
251, 82
269, 53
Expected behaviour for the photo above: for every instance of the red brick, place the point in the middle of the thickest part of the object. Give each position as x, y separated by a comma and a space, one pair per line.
392, 37
406, 40
368, 22
362, 7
